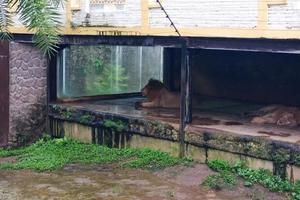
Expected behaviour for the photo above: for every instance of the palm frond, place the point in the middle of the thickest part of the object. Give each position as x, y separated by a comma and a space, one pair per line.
42, 17
5, 19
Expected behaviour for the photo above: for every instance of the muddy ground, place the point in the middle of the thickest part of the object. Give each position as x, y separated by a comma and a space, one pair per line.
109, 182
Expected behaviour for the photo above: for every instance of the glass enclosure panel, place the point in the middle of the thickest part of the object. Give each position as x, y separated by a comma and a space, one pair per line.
100, 70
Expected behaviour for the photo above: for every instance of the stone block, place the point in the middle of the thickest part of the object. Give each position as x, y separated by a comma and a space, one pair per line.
222, 155
78, 132
197, 153
138, 141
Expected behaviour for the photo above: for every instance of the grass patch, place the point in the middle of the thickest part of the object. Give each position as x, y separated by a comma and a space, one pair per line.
252, 176
51, 154
220, 180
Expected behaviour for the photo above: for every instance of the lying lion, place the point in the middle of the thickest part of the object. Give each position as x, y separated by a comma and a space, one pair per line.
279, 115
159, 96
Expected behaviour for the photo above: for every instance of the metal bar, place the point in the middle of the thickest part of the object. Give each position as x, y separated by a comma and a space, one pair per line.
183, 87
188, 96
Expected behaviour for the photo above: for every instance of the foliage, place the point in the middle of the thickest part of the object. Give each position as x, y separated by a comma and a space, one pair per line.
116, 125
220, 180
39, 16
260, 176
85, 119
110, 79
50, 154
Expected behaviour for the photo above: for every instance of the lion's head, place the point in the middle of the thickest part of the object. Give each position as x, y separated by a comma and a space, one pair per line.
153, 85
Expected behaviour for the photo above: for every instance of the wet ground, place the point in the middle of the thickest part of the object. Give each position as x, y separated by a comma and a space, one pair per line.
108, 182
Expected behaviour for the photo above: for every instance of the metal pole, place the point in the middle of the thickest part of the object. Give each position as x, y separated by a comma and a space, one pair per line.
188, 96
183, 102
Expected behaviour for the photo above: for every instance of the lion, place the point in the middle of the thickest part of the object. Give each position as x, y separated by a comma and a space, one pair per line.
279, 115
158, 96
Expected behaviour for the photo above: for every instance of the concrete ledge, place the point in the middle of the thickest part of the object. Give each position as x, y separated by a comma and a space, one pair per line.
205, 144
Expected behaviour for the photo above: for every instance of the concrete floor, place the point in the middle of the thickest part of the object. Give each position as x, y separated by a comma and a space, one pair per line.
222, 115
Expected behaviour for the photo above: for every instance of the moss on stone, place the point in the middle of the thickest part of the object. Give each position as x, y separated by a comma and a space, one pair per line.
86, 119
116, 125
281, 155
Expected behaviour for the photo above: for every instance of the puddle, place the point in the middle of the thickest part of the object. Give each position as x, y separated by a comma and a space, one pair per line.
111, 183
80, 182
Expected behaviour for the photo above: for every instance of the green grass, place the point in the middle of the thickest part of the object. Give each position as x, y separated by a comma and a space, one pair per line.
51, 154
252, 176
220, 180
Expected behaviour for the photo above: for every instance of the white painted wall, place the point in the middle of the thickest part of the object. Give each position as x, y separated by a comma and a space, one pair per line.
127, 15
207, 13
285, 16
237, 14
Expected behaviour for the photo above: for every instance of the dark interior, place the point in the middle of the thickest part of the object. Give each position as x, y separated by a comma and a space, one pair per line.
272, 78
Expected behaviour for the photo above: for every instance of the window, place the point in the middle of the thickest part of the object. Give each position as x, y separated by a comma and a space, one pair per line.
101, 70
108, 5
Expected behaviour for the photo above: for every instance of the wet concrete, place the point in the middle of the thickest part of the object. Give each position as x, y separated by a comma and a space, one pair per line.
82, 182
108, 182
212, 113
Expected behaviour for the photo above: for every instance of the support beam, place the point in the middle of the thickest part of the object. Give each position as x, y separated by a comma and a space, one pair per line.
188, 95
183, 103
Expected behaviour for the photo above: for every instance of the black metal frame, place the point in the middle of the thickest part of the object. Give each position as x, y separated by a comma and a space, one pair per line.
253, 45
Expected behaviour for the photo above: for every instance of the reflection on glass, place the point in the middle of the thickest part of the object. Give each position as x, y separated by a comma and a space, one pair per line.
97, 70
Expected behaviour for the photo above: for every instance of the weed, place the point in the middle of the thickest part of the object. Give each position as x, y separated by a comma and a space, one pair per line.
86, 119
220, 180
116, 125
252, 176
51, 154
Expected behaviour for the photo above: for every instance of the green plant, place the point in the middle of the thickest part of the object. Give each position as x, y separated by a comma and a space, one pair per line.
85, 119
219, 165
50, 154
260, 176
220, 180
67, 114
116, 125
40, 16
113, 80
107, 78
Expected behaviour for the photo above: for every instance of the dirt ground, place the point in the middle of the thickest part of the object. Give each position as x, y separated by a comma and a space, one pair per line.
110, 182
192, 176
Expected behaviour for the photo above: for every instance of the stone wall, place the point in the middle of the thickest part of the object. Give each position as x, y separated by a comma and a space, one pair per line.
28, 93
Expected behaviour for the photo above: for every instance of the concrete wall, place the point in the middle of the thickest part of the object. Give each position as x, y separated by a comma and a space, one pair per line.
28, 93
206, 13
126, 15
241, 14
286, 16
